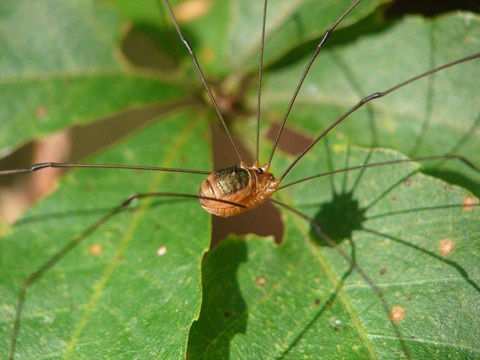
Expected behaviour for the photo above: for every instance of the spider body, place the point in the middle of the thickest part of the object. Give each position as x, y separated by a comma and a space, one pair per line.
246, 185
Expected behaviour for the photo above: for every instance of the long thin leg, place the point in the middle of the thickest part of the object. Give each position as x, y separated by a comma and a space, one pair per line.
371, 97
260, 74
200, 74
364, 166
47, 165
305, 72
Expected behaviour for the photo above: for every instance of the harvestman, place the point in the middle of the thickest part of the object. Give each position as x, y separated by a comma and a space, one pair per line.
231, 191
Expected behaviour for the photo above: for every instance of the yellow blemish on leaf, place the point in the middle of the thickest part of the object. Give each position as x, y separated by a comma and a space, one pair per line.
469, 203
446, 246
95, 249
191, 10
397, 314
162, 251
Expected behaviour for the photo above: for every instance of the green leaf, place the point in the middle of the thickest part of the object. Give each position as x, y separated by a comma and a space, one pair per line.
129, 299
227, 38
289, 23
303, 300
61, 65
260, 300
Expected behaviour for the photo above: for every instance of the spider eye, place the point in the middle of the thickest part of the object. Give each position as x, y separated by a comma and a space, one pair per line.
260, 171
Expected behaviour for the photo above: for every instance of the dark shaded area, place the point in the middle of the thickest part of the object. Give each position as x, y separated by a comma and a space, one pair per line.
224, 313
455, 178
291, 142
369, 24
147, 46
339, 218
378, 21
264, 220
430, 8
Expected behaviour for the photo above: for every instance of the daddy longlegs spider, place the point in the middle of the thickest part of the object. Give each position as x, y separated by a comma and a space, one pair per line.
131, 287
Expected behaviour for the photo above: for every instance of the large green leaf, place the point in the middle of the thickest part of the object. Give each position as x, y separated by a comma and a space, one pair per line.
302, 300
61, 65
260, 300
129, 299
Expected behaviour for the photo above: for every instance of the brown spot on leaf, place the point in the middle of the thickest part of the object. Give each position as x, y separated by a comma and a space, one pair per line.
191, 10
446, 246
261, 281
469, 203
95, 249
162, 250
397, 313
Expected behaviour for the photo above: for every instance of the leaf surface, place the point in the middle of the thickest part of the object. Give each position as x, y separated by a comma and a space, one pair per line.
260, 300
62, 65
303, 300
131, 296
